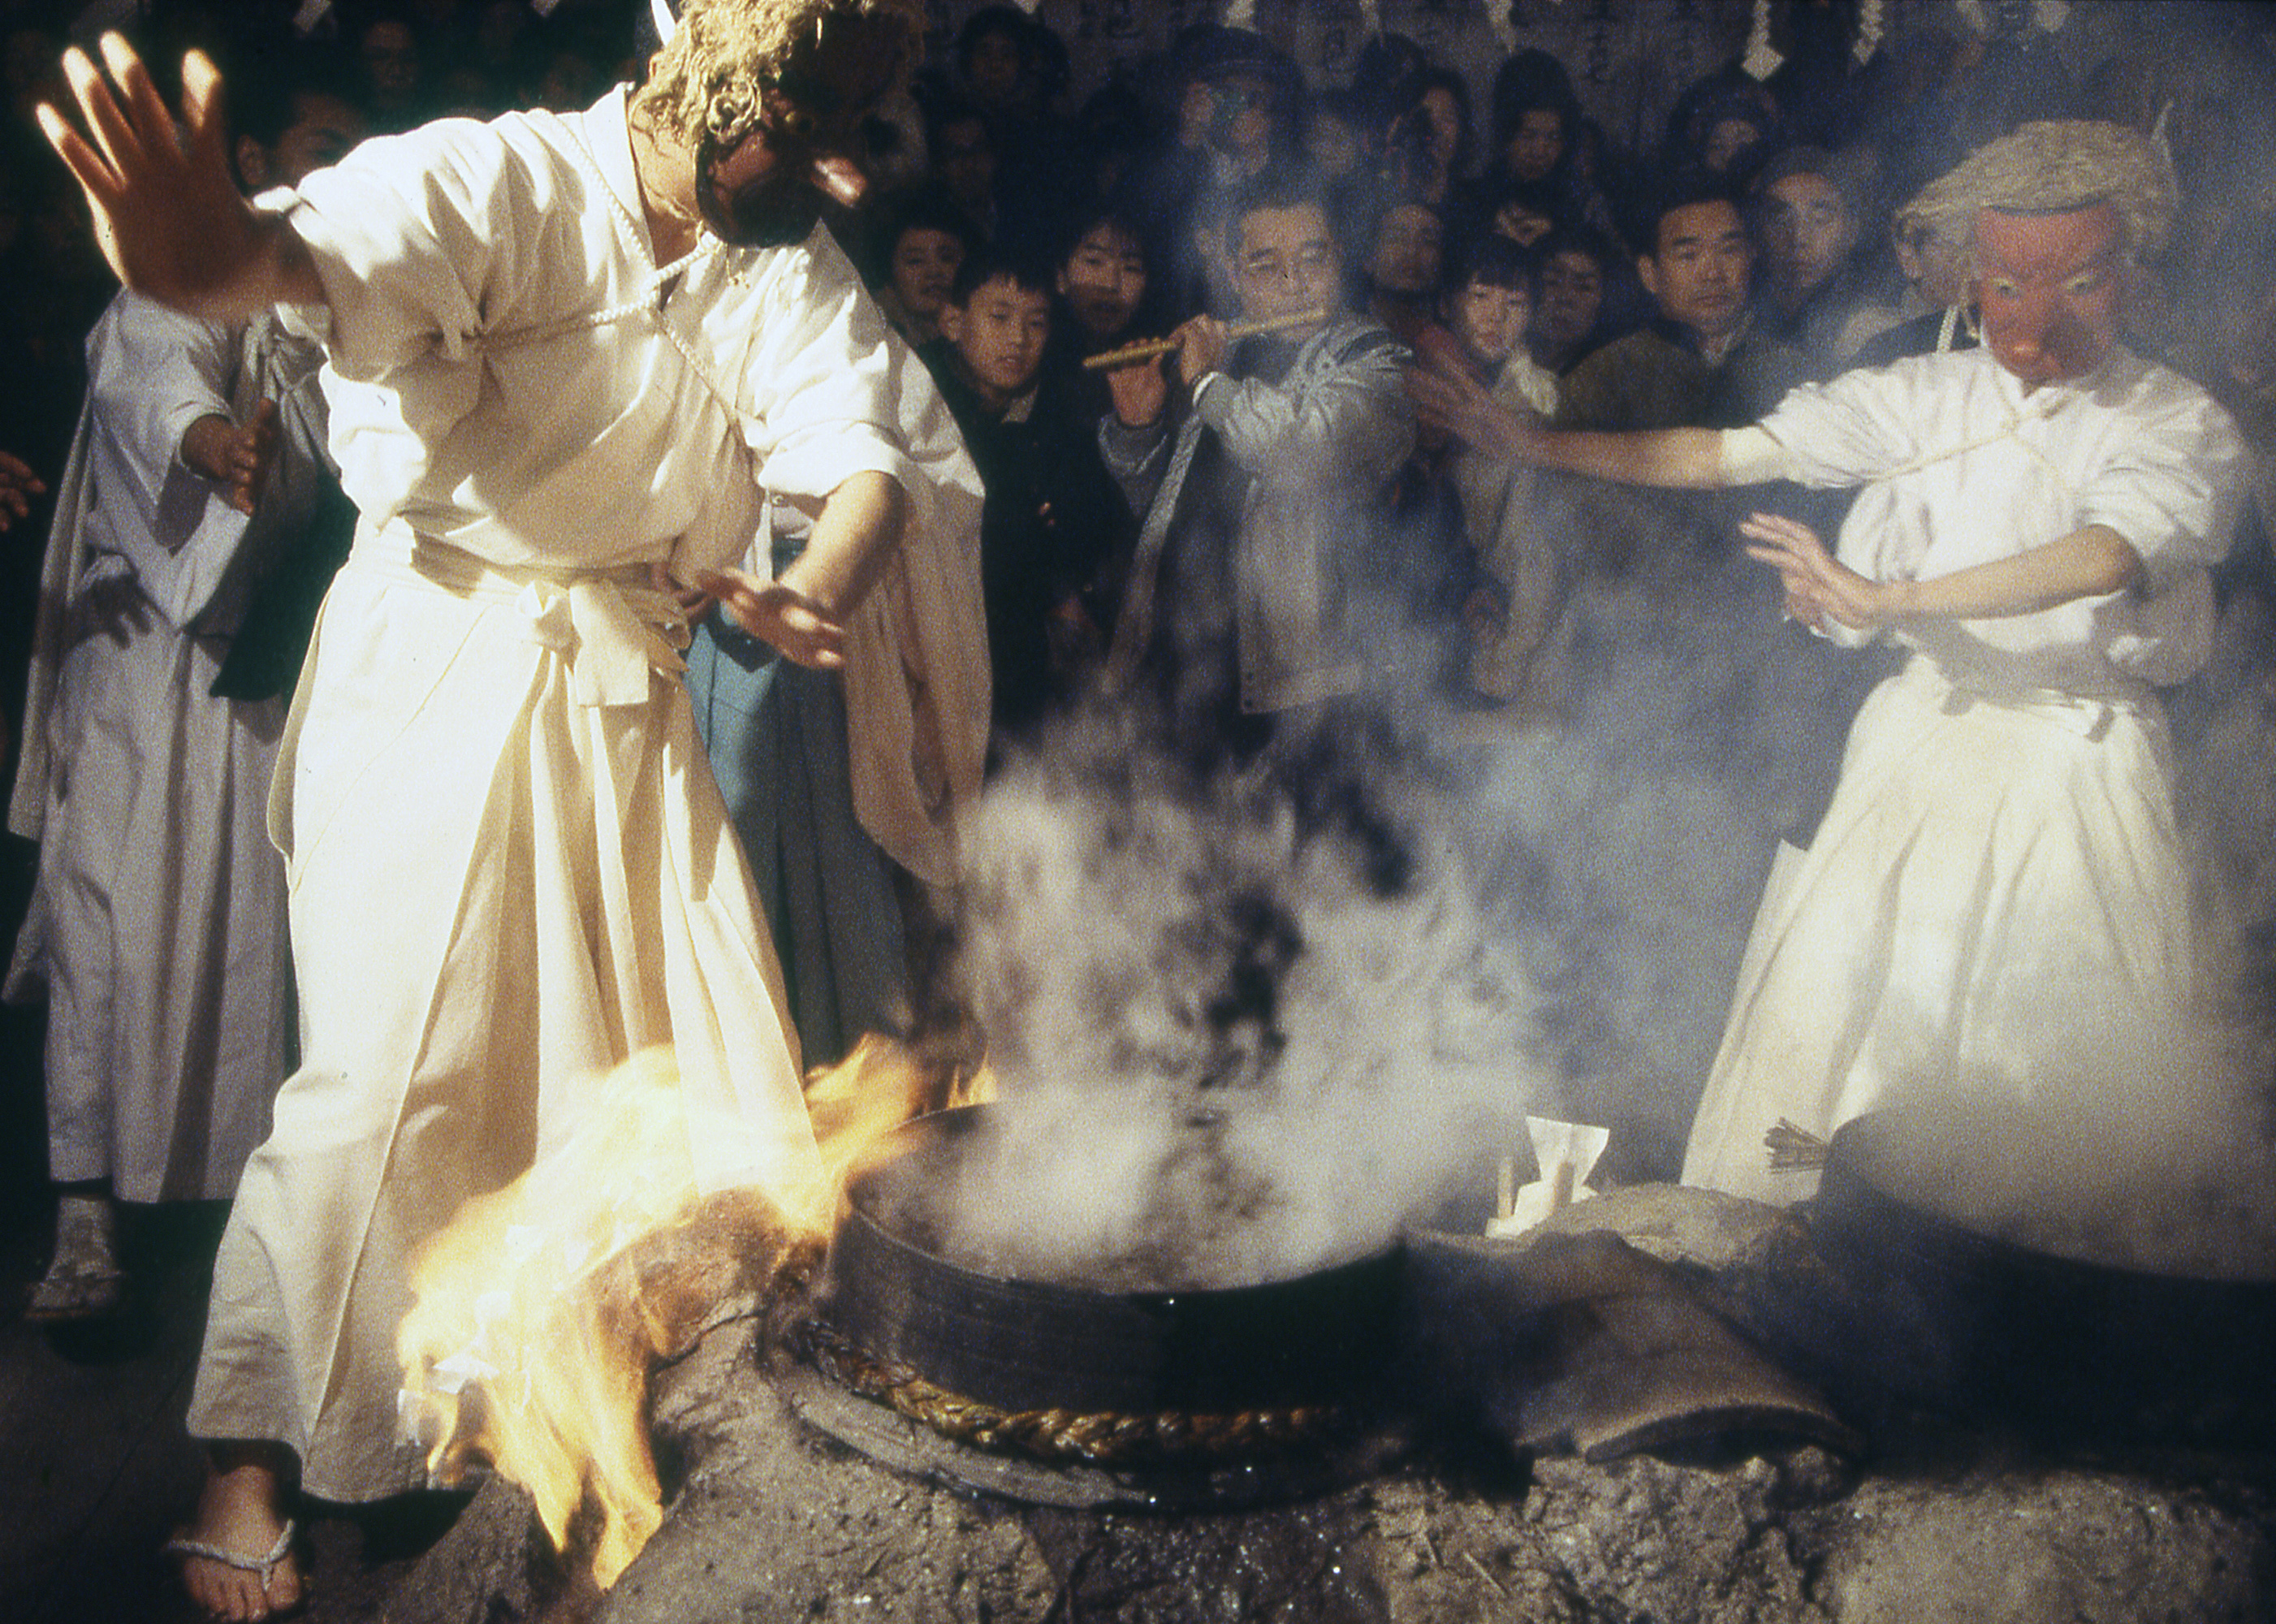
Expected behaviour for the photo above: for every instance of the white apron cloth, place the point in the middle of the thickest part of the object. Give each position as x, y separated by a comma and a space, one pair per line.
1993, 881
509, 867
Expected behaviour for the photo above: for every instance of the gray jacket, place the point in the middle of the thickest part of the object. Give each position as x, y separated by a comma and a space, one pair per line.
1317, 446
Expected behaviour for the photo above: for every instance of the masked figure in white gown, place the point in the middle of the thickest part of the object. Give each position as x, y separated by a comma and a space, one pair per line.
1999, 878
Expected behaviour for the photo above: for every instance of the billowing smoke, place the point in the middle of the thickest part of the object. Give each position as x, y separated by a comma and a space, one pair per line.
1242, 1025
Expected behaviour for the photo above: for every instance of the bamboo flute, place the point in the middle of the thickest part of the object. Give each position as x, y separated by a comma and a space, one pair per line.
1129, 354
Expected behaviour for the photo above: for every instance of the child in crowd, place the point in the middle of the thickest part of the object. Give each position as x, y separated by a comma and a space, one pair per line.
1514, 613
924, 239
1051, 514
1102, 276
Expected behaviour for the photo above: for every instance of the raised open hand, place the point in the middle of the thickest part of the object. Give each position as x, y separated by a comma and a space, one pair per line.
1819, 586
1458, 406
167, 211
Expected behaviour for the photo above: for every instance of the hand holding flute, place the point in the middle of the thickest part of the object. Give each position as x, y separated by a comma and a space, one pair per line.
1136, 384
1131, 354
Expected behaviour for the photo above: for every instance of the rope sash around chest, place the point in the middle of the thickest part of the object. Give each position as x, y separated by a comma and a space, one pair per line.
650, 302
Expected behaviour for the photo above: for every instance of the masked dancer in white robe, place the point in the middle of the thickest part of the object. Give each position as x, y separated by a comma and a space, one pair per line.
2000, 869
571, 358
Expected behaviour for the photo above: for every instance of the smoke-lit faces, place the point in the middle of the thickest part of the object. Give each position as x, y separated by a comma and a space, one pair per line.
2049, 287
923, 268
999, 334
1698, 270
1103, 279
1242, 120
1572, 299
1808, 232
1490, 321
323, 130
1535, 146
1409, 251
1442, 116
1284, 262
765, 187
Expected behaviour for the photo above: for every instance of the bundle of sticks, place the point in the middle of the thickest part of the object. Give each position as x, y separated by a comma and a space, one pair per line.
1131, 354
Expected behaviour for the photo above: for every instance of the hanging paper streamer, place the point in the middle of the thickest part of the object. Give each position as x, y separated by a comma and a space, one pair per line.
1763, 58
661, 12
311, 14
1237, 13
1870, 25
1371, 18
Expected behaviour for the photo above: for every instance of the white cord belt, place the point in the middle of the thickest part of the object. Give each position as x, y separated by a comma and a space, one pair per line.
614, 627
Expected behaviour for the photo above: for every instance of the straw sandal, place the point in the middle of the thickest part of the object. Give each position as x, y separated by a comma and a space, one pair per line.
265, 1565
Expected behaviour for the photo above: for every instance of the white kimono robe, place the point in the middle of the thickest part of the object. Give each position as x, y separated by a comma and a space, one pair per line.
509, 864
1998, 889
158, 923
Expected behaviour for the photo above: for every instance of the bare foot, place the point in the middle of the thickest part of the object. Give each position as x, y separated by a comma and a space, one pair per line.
240, 1510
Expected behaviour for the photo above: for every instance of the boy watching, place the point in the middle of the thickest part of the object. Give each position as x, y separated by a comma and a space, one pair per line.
1050, 512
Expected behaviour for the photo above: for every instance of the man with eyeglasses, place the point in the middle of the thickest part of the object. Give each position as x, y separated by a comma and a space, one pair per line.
574, 364
1254, 577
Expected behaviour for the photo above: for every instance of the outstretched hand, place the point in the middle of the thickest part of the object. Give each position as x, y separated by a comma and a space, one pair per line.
1460, 407
167, 211
797, 626
1818, 586
238, 455
18, 486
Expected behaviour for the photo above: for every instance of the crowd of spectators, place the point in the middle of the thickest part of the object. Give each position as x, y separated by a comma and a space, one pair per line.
1508, 241
1757, 246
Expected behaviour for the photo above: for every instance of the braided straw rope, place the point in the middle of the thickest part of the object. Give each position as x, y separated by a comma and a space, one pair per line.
1105, 1437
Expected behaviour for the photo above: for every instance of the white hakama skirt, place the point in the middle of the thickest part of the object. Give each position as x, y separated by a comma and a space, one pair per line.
509, 869
1996, 904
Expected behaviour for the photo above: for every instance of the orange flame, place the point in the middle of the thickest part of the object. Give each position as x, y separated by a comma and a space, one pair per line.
540, 1309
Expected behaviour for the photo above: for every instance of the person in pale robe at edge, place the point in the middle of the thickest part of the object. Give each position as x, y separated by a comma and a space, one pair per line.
156, 931
571, 361
2000, 868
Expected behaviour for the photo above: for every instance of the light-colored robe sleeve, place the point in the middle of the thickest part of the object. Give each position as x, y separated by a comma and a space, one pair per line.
1855, 429
409, 234
834, 392
152, 372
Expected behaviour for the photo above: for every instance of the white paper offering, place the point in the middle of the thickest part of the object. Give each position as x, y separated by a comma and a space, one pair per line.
1566, 1153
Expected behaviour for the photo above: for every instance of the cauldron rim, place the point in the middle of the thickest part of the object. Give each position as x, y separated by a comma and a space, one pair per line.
1302, 1340
971, 1118
1858, 1159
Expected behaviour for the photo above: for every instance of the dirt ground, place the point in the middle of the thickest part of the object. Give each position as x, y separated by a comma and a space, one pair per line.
772, 1520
